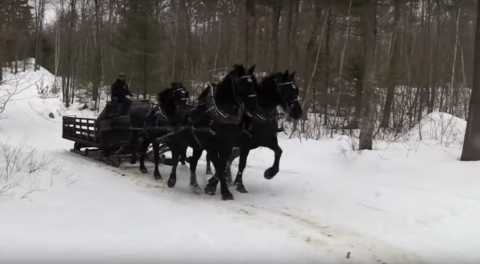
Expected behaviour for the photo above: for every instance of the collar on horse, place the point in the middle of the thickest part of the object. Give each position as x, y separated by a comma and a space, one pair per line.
218, 112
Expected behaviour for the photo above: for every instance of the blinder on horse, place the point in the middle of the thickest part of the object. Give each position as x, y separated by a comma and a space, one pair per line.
180, 94
249, 94
281, 90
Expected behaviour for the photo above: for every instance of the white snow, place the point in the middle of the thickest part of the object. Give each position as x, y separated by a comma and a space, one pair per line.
405, 202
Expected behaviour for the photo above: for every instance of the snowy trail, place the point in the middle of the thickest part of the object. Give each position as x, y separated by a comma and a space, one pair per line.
345, 245
326, 206
100, 214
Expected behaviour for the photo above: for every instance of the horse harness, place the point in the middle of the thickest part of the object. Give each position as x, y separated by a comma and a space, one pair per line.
263, 117
217, 114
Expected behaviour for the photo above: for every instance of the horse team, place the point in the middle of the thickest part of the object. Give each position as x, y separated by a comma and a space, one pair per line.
237, 112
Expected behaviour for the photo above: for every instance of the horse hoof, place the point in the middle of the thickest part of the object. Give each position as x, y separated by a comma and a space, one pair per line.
144, 170
171, 183
210, 190
227, 196
196, 189
269, 173
241, 189
157, 175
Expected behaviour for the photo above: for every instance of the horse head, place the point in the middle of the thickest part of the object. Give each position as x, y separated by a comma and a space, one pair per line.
173, 97
243, 85
180, 94
285, 92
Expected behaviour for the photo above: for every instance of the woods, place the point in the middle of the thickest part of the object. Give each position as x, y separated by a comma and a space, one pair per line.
378, 65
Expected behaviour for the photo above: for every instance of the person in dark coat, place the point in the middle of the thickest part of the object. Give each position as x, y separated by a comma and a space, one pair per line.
120, 102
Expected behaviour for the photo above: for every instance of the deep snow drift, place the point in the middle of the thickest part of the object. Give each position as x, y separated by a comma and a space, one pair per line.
406, 202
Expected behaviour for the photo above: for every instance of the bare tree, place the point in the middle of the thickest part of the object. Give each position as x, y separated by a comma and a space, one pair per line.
368, 108
471, 143
39, 20
421, 62
98, 73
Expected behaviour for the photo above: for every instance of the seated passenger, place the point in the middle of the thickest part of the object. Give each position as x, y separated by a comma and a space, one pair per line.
120, 102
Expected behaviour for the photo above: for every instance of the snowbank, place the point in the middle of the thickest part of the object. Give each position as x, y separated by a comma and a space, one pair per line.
26, 96
392, 205
25, 170
37, 88
438, 128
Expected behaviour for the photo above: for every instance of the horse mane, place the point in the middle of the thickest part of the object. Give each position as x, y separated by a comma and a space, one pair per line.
268, 80
165, 97
270, 77
236, 67
176, 85
205, 91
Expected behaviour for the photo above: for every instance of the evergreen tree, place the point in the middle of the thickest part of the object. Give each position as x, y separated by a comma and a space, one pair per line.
138, 39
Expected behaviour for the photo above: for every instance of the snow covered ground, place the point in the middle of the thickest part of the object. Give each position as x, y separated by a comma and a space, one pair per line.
406, 202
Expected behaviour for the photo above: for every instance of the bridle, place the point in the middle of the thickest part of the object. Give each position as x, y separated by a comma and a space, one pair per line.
236, 83
289, 104
182, 90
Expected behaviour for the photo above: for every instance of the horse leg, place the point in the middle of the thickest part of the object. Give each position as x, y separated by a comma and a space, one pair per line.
211, 187
209, 168
235, 153
143, 153
219, 162
183, 156
176, 152
133, 158
242, 163
156, 159
223, 157
272, 171
133, 144
228, 171
197, 153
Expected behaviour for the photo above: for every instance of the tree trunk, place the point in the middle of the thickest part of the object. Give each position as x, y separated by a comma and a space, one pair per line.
392, 81
40, 15
471, 143
97, 74
250, 31
277, 11
340, 73
327, 65
368, 109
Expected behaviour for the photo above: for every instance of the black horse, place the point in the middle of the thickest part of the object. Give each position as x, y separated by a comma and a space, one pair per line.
277, 89
216, 126
160, 121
